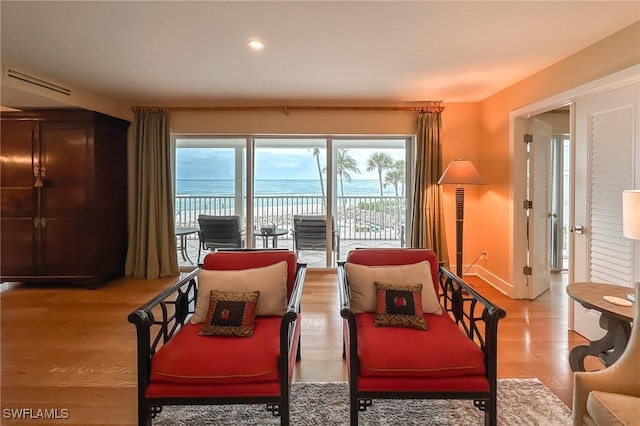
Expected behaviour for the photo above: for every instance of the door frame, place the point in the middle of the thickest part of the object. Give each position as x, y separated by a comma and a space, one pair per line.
517, 128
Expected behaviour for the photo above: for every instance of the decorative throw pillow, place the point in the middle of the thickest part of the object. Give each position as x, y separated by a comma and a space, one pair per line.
270, 281
231, 314
361, 280
399, 306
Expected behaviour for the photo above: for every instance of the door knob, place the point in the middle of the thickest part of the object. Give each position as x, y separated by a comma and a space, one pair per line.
578, 229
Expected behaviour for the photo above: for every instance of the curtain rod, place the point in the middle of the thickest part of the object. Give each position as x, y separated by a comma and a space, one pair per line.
434, 106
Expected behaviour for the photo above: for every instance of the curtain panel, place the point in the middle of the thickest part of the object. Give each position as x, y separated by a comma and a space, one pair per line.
427, 220
152, 250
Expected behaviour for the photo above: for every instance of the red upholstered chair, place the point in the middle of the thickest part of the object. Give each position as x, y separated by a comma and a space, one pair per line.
179, 366
455, 358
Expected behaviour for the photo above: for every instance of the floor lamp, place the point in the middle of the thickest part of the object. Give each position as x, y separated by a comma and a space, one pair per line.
460, 172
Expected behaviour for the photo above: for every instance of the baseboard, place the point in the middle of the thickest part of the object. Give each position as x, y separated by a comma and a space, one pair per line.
493, 280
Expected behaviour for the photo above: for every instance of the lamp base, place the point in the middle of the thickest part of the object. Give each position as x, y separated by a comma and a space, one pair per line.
459, 228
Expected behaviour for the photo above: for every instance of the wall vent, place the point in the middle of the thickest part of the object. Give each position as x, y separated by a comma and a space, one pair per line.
18, 75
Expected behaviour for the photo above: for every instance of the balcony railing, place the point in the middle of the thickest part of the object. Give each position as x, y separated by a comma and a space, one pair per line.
359, 217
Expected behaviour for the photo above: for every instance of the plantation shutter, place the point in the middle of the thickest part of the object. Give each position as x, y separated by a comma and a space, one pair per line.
611, 154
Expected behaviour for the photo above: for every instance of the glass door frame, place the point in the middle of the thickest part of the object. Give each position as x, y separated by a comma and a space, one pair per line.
282, 141
381, 142
221, 141
559, 197
245, 171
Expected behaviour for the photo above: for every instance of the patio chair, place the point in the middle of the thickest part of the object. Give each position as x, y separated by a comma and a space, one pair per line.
219, 232
310, 233
414, 330
227, 333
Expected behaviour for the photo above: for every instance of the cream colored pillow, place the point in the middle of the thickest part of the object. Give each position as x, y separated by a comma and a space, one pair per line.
361, 280
270, 281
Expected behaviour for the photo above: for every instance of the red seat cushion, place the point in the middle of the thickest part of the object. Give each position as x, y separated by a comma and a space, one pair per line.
175, 390
440, 352
476, 383
190, 358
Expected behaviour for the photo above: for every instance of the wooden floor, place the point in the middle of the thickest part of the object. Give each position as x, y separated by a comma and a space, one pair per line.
73, 349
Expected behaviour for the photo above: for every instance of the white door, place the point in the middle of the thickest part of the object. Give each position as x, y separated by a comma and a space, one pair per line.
539, 214
606, 146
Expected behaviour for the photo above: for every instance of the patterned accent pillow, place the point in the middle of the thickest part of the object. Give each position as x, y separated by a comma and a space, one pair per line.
231, 314
399, 306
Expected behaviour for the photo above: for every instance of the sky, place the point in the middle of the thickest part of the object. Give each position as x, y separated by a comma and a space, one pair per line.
271, 163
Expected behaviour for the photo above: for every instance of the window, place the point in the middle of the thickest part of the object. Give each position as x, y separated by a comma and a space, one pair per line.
359, 185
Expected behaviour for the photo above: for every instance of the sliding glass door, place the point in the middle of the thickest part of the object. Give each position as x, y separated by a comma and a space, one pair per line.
371, 180
210, 179
290, 197
320, 196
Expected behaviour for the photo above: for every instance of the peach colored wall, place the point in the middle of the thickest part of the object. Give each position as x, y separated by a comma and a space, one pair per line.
296, 122
461, 139
617, 52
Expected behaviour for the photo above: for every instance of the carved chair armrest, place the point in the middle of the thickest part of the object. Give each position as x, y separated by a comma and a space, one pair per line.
158, 320
473, 313
350, 335
290, 327
343, 292
293, 307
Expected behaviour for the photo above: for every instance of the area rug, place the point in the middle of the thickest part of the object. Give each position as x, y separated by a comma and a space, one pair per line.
521, 402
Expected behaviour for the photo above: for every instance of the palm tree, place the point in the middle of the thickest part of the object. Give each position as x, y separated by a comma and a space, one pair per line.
400, 168
316, 153
379, 161
345, 164
396, 177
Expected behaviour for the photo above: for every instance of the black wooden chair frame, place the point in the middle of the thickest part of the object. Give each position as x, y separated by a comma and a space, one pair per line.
174, 306
461, 302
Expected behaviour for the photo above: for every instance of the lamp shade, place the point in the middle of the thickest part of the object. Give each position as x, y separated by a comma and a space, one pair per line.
461, 172
631, 213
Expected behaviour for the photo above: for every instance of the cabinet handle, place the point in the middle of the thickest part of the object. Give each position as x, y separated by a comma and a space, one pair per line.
37, 174
36, 222
43, 222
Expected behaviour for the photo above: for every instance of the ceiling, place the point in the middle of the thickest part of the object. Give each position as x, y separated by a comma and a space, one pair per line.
179, 52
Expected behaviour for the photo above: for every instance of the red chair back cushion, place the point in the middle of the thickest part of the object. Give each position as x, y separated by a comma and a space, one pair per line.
396, 256
238, 260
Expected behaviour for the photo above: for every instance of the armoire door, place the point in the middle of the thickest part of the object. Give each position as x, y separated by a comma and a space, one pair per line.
67, 240
18, 236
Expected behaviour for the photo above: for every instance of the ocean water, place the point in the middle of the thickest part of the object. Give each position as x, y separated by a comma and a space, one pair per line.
225, 187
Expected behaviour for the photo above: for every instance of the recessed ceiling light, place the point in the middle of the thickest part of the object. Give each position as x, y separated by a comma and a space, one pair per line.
256, 44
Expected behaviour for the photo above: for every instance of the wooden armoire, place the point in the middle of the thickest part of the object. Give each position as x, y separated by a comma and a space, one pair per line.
63, 196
